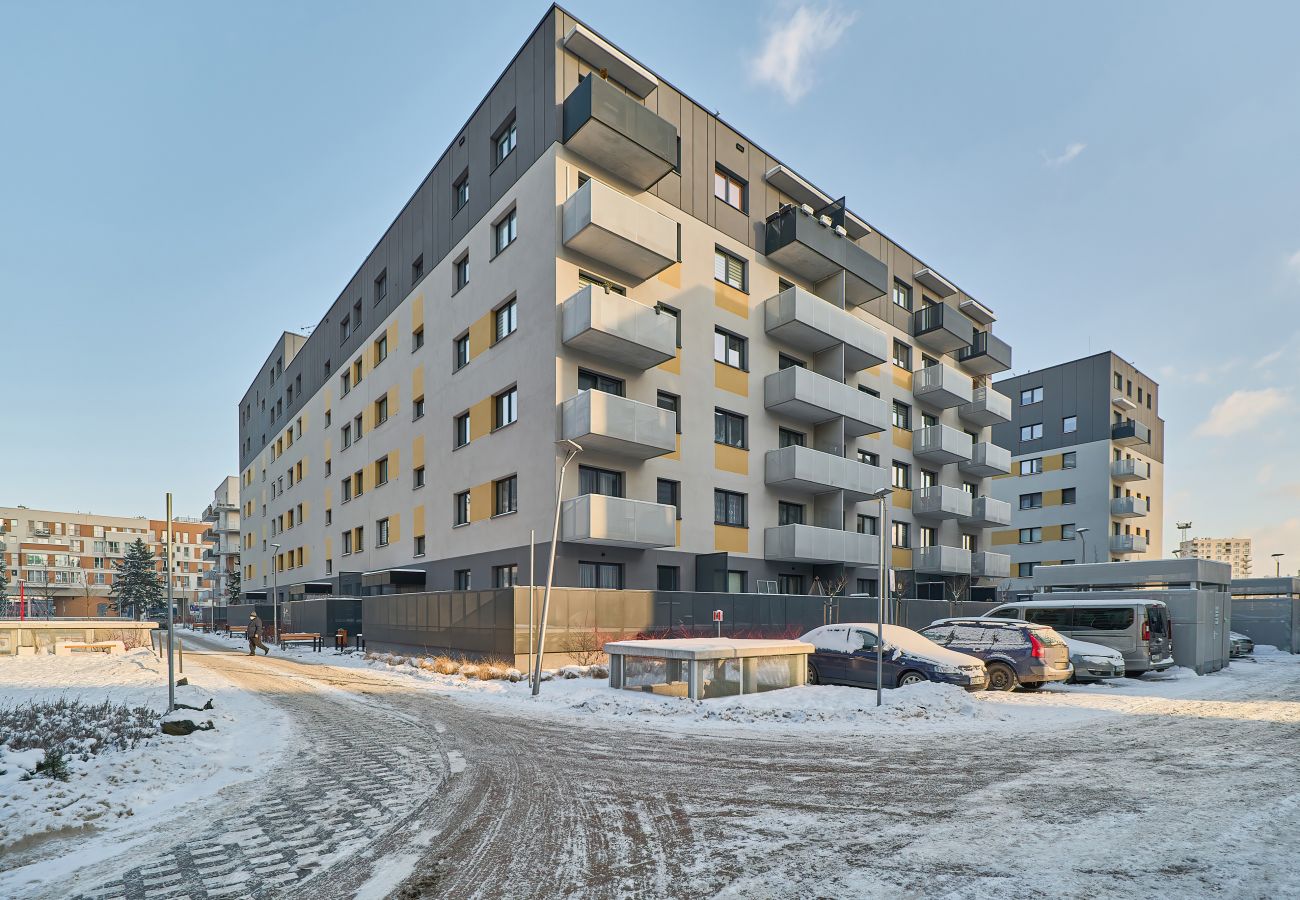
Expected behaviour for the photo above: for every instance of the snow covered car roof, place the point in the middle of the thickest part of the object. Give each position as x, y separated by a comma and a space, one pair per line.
1088, 648
985, 621
1056, 604
836, 637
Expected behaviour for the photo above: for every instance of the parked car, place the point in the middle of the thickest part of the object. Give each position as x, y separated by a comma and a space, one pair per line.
846, 654
1241, 645
1141, 630
1093, 662
1015, 654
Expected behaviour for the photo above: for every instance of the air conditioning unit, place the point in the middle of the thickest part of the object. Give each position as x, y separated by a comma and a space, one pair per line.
807, 210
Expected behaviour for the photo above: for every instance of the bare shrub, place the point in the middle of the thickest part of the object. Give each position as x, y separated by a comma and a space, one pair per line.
445, 665
134, 639
584, 647
469, 670
74, 728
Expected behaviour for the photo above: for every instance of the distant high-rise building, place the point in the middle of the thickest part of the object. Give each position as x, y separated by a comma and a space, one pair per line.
1232, 550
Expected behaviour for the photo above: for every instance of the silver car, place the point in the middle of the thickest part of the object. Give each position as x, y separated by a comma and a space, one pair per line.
1241, 645
1141, 630
1093, 662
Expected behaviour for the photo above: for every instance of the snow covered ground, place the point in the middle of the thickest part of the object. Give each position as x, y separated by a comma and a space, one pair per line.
114, 795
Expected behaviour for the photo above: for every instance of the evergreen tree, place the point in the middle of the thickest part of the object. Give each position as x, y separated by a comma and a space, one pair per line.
4, 579
137, 586
234, 584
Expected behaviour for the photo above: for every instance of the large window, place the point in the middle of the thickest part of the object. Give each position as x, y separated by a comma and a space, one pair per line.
506, 408
595, 381
728, 428
902, 355
785, 437
868, 524
506, 320
592, 480
901, 476
505, 495
505, 231
729, 508
1032, 501
669, 493
729, 269
1030, 396
1031, 466
730, 349
902, 416
903, 295
728, 188
789, 514
505, 576
900, 535
1031, 535
1031, 432
600, 575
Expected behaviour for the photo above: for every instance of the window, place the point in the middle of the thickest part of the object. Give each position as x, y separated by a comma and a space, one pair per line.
381, 411
381, 287
504, 142
789, 514
1068, 495
346, 488
737, 581
594, 381
928, 420
787, 438
789, 584
901, 535
868, 586
460, 192
347, 543
381, 533
461, 351
358, 479
1025, 570
1069, 460
506, 408
1031, 432
505, 576
381, 471
871, 459
673, 404
417, 408
344, 331
729, 508
902, 476
729, 429
928, 536
1031, 501
902, 295
418, 549
605, 482
417, 477
1070, 424
902, 416
345, 434
359, 538
1031, 535
730, 349
345, 383
669, 578
1031, 396
417, 269
669, 493
505, 495
417, 339
600, 575
1119, 382
586, 278
505, 320
462, 429
868, 524
729, 269
505, 231
786, 361
460, 275
902, 355
460, 509
1031, 466
728, 188
1067, 531
928, 478
460, 580
665, 310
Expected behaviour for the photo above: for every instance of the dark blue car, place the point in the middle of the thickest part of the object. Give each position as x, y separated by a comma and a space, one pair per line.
1016, 654
846, 654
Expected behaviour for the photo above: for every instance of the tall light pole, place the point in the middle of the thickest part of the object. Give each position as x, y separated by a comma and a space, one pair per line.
882, 497
171, 625
572, 450
275, 592
1277, 564
1079, 533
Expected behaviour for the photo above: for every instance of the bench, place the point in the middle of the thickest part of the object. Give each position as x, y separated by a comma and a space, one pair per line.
232, 630
304, 637
109, 647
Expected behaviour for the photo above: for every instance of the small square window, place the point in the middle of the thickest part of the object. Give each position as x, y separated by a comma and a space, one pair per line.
504, 142
460, 192
417, 408
730, 349
1070, 424
729, 189
418, 549
730, 269
461, 272
461, 351
417, 269
381, 287
417, 339
506, 408
417, 477
505, 231
505, 320
1069, 460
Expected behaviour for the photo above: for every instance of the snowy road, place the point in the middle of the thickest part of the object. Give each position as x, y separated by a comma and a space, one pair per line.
392, 789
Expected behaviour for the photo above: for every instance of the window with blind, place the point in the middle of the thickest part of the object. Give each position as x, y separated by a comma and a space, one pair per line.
729, 269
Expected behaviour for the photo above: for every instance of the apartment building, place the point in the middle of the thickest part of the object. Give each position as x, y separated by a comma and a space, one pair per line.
71, 558
598, 262
1235, 551
1087, 455
222, 534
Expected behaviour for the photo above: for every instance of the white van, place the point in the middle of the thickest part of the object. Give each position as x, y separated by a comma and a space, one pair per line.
1141, 630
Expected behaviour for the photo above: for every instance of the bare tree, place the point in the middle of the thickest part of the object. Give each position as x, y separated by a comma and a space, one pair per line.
585, 648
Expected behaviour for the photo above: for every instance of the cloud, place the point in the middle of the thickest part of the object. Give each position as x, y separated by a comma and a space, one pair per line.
1242, 410
1070, 154
793, 44
1293, 264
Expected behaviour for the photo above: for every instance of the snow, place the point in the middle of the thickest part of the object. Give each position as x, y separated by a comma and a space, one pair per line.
1088, 648
838, 637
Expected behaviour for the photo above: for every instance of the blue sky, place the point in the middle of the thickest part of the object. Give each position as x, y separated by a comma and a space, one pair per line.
180, 182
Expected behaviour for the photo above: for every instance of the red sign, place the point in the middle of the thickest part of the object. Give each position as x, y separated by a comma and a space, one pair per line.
717, 615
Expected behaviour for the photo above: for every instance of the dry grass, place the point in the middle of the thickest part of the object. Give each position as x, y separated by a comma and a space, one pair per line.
74, 728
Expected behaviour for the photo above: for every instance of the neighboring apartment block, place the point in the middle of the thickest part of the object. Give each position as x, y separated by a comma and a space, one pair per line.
222, 535
743, 361
1235, 551
1087, 453
71, 558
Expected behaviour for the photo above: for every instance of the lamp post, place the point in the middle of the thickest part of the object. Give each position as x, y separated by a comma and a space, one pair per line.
275, 592
882, 496
572, 450
1079, 533
1277, 564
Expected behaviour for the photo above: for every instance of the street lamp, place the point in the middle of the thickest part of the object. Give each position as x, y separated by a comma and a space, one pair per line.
1277, 564
572, 449
1079, 533
882, 496
275, 592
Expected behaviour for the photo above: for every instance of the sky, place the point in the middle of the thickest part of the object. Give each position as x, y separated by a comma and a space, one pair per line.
181, 182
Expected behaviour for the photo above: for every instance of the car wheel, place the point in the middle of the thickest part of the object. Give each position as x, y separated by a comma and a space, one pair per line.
911, 678
1001, 677
812, 674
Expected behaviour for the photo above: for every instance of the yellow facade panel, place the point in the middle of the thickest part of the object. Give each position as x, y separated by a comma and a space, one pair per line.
731, 459
480, 502
417, 521
480, 419
728, 299
902, 379
1002, 538
902, 437
729, 378
727, 539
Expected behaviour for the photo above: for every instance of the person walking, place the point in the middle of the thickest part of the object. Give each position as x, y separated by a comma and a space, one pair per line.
254, 634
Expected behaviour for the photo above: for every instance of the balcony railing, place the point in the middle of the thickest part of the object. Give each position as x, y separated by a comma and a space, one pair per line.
811, 471
811, 544
803, 395
619, 134
612, 326
607, 423
941, 444
941, 560
989, 512
986, 407
1130, 470
1128, 507
986, 460
808, 323
941, 501
986, 354
941, 386
614, 229
941, 327
990, 565
617, 522
1128, 543
811, 247
1129, 433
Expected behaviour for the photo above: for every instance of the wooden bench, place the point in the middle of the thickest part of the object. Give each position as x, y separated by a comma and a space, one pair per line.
291, 637
93, 646
232, 630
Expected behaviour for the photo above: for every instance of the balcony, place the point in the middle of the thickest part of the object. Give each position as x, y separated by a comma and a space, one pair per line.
941, 501
1128, 507
939, 560
988, 512
808, 323
607, 423
1128, 543
812, 248
811, 544
805, 396
986, 407
617, 522
941, 386
986, 460
609, 325
619, 134
990, 565
1126, 434
941, 444
986, 354
941, 327
1129, 470
614, 229
810, 471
